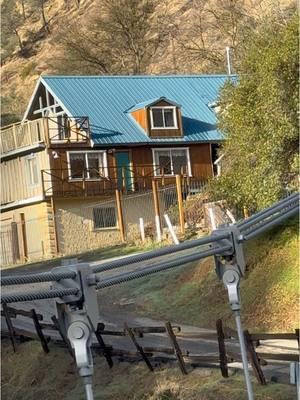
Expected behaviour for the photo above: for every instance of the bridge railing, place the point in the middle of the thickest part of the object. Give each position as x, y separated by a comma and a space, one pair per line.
74, 284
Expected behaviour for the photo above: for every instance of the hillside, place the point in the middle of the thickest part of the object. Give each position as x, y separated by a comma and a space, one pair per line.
54, 376
193, 40
193, 295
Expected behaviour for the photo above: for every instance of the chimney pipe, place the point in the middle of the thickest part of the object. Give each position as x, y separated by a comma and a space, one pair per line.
228, 60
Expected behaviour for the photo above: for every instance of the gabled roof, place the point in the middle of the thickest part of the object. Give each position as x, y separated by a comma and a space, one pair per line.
150, 102
107, 99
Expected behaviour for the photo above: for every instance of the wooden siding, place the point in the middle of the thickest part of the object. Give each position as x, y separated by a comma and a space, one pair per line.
14, 178
165, 132
57, 180
201, 162
143, 118
58, 183
200, 158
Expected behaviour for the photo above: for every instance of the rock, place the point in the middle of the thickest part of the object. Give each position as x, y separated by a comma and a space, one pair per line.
126, 302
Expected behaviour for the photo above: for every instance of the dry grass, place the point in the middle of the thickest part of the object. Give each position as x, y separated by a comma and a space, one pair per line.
193, 294
29, 374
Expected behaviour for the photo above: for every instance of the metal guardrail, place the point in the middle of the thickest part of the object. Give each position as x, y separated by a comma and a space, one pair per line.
75, 284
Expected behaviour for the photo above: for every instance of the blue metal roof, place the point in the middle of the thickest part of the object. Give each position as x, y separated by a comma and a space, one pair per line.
107, 99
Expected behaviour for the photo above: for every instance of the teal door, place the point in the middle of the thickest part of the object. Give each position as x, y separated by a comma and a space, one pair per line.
124, 172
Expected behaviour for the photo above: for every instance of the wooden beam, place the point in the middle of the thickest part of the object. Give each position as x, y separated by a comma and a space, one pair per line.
54, 225
51, 108
120, 215
24, 238
222, 348
254, 360
138, 347
106, 351
155, 197
282, 357
46, 131
180, 203
39, 331
13, 312
176, 347
267, 336
156, 209
63, 335
10, 327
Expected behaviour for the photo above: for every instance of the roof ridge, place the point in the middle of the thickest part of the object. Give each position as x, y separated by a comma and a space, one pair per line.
138, 76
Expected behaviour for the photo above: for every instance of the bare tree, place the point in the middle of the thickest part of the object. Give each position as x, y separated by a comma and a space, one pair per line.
123, 36
11, 23
215, 24
22, 3
40, 5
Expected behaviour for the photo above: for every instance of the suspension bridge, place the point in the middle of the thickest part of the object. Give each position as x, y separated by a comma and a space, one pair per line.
74, 286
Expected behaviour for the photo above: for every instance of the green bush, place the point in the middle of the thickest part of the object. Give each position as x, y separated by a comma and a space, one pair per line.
259, 119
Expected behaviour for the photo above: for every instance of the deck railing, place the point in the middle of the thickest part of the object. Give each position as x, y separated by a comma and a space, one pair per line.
22, 134
48, 130
63, 183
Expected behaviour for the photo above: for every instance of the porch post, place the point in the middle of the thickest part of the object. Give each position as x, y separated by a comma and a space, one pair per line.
156, 209
180, 203
120, 215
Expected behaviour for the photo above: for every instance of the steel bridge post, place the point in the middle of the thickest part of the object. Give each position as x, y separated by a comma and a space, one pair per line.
230, 268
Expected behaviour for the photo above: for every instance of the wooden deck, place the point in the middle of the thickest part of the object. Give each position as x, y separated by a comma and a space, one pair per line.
47, 130
59, 183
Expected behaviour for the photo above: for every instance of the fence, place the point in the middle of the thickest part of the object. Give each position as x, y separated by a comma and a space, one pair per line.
27, 240
130, 218
123, 218
154, 354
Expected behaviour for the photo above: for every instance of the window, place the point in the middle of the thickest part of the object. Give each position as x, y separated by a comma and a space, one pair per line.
32, 170
163, 117
63, 127
171, 161
104, 217
87, 165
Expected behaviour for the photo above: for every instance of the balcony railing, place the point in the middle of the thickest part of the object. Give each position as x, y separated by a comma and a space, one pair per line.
64, 129
61, 183
21, 135
48, 130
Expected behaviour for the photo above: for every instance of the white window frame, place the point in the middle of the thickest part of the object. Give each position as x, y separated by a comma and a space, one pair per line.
108, 227
28, 171
85, 152
164, 127
155, 167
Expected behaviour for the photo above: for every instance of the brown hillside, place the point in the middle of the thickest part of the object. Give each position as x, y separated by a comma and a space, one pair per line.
180, 53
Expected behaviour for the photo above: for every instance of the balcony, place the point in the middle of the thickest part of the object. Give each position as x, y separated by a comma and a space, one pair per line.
59, 182
21, 135
47, 131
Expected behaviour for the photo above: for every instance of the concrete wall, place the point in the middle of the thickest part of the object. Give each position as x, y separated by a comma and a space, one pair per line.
75, 228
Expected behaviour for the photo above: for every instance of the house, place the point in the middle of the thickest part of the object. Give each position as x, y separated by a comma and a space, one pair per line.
83, 137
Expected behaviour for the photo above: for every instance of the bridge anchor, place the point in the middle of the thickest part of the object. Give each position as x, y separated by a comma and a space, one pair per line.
230, 268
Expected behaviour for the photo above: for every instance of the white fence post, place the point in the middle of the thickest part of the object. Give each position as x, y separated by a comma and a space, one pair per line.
158, 231
171, 229
212, 218
142, 229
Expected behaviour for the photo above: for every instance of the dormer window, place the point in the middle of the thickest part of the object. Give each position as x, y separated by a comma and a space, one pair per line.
163, 118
